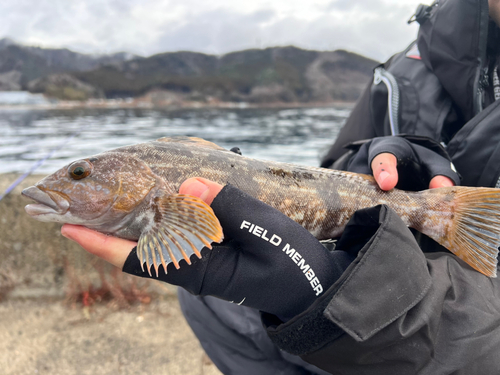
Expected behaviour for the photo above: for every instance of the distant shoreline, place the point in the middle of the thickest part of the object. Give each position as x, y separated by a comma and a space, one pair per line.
138, 103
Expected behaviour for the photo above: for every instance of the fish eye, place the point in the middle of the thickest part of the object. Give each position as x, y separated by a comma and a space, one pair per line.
79, 170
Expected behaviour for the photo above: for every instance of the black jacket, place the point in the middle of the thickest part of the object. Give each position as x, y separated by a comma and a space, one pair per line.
403, 310
399, 308
437, 88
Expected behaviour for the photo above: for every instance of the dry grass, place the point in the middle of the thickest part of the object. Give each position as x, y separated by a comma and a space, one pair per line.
114, 288
6, 284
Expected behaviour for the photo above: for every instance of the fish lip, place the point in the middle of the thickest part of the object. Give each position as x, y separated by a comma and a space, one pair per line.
46, 202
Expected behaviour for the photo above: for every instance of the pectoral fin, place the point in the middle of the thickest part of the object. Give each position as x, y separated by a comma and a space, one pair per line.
185, 225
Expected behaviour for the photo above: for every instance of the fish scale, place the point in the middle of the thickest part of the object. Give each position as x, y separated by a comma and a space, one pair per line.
137, 199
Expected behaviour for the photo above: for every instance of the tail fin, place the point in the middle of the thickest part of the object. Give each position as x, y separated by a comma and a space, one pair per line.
474, 235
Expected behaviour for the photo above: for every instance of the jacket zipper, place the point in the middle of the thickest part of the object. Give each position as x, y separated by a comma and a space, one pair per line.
482, 84
481, 79
393, 100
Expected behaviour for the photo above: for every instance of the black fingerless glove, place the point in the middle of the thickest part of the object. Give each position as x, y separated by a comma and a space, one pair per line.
418, 160
267, 261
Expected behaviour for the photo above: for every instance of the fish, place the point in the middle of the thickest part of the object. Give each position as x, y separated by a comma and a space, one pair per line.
132, 192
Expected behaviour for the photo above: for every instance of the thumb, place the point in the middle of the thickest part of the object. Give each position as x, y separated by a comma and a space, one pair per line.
385, 171
202, 188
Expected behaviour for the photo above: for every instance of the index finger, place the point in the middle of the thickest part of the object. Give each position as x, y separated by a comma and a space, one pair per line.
441, 181
112, 249
385, 171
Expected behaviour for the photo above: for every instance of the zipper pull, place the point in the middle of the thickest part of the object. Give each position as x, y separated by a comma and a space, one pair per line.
377, 75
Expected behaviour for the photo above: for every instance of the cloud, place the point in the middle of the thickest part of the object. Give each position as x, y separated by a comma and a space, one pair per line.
217, 31
375, 28
377, 34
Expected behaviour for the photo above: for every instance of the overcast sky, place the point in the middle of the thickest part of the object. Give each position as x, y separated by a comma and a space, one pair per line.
374, 28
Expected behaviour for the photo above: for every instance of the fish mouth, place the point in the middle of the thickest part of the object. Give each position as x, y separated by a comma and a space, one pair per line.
46, 202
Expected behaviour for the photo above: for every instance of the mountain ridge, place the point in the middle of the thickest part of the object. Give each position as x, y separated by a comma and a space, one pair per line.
274, 74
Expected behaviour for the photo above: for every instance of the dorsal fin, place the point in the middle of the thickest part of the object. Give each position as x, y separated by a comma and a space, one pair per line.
194, 141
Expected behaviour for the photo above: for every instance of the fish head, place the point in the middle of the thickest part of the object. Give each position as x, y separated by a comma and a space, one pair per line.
95, 191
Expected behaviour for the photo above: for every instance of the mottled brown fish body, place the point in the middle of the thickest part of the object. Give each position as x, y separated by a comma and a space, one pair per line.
141, 178
321, 200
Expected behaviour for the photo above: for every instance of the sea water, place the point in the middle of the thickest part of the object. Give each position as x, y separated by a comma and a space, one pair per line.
298, 135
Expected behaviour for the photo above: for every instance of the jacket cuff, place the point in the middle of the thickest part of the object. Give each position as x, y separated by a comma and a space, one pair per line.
386, 280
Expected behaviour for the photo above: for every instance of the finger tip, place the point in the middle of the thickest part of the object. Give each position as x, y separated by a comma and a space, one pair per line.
441, 181
193, 186
71, 229
201, 188
66, 230
387, 187
384, 175
386, 180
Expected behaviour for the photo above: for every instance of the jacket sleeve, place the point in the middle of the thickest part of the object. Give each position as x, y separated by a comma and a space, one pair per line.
419, 106
398, 311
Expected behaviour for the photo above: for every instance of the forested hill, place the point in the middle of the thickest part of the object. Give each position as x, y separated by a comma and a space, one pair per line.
279, 74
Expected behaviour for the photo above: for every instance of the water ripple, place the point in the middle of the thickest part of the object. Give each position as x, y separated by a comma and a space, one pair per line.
299, 135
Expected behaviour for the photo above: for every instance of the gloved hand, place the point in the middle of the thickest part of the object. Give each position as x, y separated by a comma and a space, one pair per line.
267, 261
418, 167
